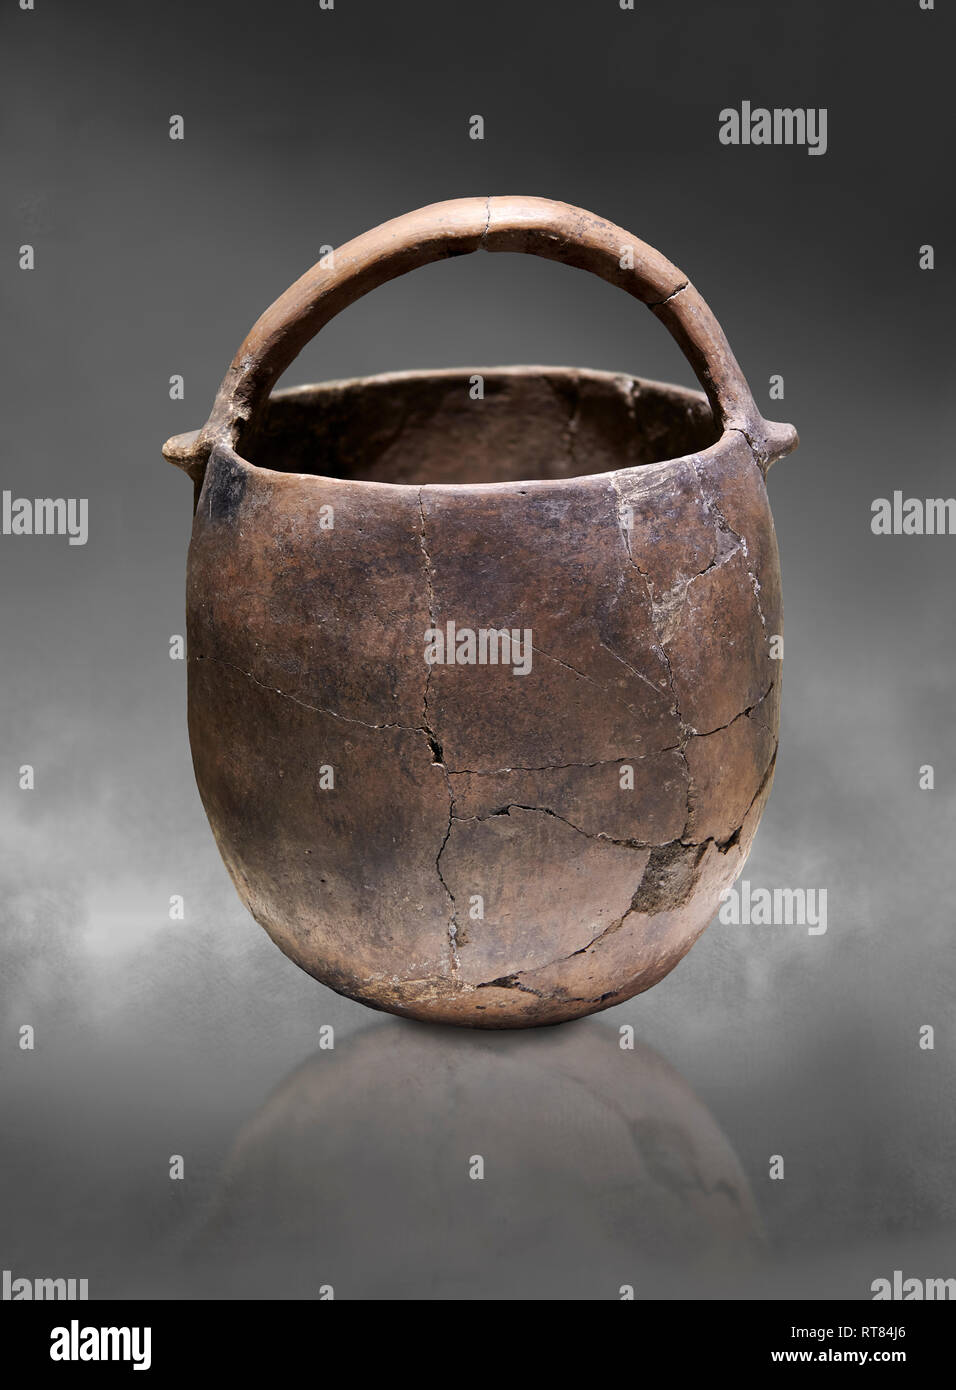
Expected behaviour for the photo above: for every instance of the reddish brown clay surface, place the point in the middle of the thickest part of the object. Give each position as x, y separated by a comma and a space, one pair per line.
461, 842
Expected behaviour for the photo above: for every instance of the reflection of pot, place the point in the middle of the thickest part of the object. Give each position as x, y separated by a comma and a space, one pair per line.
467, 839
601, 1168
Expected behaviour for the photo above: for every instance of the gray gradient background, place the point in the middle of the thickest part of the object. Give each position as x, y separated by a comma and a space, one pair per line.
303, 128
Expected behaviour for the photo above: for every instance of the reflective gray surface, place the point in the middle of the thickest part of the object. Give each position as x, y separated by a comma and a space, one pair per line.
155, 1037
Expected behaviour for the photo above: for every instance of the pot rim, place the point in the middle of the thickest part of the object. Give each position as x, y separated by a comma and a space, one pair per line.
180, 446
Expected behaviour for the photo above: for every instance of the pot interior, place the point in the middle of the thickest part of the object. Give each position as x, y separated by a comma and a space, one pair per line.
432, 427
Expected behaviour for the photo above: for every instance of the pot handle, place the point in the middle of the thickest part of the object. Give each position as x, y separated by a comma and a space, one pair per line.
538, 226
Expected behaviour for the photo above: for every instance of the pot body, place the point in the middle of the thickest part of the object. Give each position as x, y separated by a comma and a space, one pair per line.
496, 844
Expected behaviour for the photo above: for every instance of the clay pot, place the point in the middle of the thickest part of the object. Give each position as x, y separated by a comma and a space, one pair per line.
542, 827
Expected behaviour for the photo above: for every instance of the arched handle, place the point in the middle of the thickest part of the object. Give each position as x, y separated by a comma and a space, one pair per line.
538, 226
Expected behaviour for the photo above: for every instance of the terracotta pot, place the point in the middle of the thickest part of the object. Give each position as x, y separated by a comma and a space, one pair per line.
514, 832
